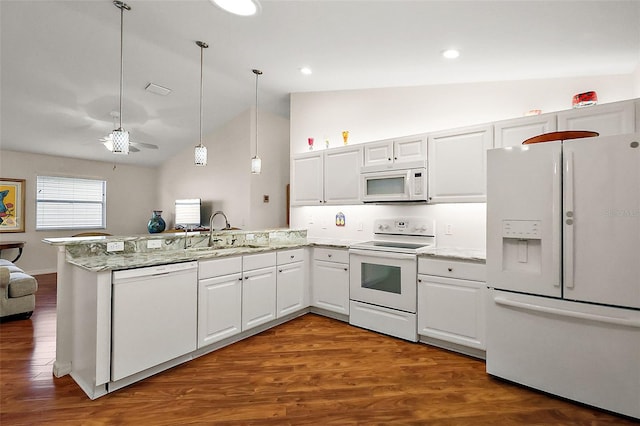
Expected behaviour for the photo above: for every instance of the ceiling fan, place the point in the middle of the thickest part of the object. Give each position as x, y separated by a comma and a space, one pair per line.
133, 146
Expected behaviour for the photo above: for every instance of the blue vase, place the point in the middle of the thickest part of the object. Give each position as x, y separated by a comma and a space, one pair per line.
156, 223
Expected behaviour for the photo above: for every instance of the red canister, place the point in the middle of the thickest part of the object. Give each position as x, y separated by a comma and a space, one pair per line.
585, 99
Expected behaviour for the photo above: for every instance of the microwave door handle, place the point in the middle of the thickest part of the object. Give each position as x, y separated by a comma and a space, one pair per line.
407, 186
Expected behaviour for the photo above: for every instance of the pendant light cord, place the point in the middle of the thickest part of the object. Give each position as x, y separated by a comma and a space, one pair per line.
202, 46
121, 60
201, 88
257, 73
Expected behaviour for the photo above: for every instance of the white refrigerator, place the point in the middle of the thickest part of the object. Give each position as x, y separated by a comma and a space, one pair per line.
563, 269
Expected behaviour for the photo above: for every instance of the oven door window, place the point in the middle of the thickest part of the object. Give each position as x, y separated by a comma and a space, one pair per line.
381, 277
386, 186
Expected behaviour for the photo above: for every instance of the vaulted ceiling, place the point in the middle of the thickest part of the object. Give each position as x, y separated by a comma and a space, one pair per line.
60, 59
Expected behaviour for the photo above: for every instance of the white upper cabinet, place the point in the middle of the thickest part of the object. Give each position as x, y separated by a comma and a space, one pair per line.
342, 175
401, 153
458, 164
329, 176
607, 119
307, 180
514, 132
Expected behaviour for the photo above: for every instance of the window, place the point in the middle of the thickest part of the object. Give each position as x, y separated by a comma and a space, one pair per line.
70, 203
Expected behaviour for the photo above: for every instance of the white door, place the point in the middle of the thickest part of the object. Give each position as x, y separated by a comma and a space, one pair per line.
383, 279
410, 152
602, 220
219, 308
330, 289
458, 164
307, 180
524, 211
258, 297
378, 156
514, 132
290, 288
342, 175
608, 119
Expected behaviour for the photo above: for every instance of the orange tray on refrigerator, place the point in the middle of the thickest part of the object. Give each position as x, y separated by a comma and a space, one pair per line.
561, 136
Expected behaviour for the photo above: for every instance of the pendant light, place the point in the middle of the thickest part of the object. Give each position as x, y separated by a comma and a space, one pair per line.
120, 137
256, 162
200, 153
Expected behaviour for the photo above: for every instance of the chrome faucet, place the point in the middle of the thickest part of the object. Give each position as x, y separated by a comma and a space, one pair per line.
226, 223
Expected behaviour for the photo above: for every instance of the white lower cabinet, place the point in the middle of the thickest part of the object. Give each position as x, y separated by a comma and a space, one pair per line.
451, 304
258, 289
330, 281
291, 290
219, 299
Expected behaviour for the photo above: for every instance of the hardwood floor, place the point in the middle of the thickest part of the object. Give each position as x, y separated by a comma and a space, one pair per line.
312, 370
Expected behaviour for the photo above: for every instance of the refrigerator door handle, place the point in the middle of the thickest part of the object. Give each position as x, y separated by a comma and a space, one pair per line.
568, 221
556, 246
626, 322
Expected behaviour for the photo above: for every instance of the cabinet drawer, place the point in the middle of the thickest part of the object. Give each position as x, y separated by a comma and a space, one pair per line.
452, 269
219, 267
290, 256
331, 255
257, 261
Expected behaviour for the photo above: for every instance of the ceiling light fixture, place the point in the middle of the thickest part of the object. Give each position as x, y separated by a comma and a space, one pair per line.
239, 7
120, 137
256, 162
200, 153
451, 53
306, 71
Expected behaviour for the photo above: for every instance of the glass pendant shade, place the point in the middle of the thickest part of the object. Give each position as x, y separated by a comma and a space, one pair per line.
200, 155
256, 165
120, 140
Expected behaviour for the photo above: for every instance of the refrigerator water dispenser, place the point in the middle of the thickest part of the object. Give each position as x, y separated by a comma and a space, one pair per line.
521, 246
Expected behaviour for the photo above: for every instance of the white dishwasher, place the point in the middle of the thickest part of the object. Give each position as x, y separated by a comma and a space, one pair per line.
154, 316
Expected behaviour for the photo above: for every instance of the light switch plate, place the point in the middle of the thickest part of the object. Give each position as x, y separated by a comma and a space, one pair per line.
115, 246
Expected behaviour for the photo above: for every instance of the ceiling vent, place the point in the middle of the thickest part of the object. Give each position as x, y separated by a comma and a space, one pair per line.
158, 90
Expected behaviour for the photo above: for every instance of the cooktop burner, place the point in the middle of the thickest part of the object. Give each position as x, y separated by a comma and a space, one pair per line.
400, 235
395, 245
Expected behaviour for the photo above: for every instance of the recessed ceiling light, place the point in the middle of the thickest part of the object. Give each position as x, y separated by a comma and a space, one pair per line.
239, 7
450, 53
306, 70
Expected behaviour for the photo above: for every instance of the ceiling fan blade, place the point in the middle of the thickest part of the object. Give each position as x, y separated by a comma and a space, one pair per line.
144, 145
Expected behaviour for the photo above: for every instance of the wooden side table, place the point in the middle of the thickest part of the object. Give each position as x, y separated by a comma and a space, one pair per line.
6, 245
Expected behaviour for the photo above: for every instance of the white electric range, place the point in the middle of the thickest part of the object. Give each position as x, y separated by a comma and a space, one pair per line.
383, 276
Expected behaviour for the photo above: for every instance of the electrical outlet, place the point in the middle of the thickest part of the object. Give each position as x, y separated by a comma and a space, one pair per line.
265, 198
448, 229
154, 244
360, 226
115, 246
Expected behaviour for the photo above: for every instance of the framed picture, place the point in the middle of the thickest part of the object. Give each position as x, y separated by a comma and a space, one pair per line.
11, 205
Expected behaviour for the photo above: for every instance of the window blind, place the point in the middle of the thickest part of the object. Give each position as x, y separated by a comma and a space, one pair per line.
70, 203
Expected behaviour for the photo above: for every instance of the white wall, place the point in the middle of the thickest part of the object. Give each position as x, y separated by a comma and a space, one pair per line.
636, 75
376, 114
226, 182
467, 220
131, 197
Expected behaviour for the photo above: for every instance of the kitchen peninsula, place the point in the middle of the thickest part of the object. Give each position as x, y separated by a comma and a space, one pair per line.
121, 301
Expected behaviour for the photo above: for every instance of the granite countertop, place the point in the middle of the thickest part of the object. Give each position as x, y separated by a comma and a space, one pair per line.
475, 255
331, 242
139, 260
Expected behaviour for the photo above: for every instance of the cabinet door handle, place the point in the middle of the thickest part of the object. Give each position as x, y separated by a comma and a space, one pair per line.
240, 279
329, 255
395, 158
280, 270
450, 269
292, 256
419, 280
389, 158
346, 269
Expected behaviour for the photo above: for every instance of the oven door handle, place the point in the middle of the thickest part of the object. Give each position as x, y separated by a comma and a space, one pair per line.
383, 254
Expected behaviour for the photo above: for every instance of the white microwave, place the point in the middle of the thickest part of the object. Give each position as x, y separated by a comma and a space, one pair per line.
394, 186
